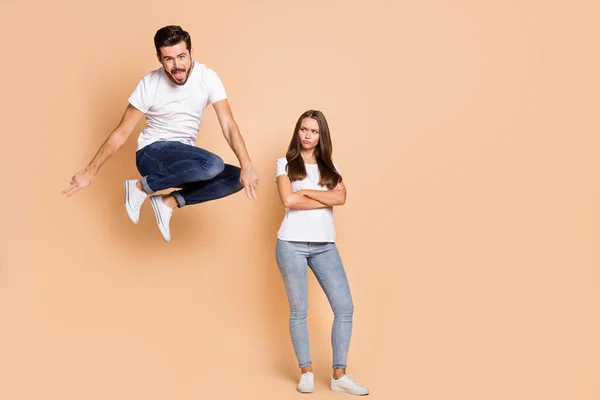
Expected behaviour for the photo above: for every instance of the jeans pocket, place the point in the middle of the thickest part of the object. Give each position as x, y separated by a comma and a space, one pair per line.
147, 165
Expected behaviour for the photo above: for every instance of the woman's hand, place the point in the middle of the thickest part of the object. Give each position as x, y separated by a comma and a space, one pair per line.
340, 186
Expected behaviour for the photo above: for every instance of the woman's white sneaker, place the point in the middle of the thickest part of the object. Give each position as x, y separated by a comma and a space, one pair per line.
346, 385
307, 383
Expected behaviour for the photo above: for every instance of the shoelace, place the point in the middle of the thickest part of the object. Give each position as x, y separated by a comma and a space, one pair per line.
305, 380
164, 209
352, 383
139, 200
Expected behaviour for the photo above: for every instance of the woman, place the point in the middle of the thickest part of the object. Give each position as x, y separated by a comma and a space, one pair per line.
309, 185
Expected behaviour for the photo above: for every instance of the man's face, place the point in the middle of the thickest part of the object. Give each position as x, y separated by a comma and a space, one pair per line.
177, 61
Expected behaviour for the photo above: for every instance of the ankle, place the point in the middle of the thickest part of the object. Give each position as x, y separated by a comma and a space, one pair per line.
138, 185
338, 373
170, 201
306, 369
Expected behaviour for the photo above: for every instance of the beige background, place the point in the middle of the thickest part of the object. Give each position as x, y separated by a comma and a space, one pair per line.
468, 135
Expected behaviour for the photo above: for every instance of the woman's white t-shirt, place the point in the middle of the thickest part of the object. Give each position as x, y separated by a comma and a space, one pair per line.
306, 225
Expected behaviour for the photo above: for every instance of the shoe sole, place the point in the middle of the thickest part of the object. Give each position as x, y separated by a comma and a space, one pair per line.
305, 391
158, 219
339, 390
127, 206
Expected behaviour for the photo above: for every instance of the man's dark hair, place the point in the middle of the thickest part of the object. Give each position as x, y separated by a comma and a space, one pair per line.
170, 36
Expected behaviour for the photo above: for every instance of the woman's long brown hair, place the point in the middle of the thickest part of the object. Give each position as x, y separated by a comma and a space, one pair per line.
295, 167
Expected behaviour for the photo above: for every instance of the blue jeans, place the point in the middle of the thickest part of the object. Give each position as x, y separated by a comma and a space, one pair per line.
201, 175
293, 259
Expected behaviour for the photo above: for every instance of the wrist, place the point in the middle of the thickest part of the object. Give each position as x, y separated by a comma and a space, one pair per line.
91, 170
245, 164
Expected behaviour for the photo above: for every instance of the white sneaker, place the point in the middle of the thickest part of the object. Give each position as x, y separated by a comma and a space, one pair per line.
307, 383
347, 385
163, 216
134, 198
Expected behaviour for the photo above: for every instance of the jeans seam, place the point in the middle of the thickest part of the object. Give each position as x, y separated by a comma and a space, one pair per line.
188, 170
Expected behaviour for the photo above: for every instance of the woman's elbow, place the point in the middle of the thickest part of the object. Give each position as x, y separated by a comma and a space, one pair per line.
287, 202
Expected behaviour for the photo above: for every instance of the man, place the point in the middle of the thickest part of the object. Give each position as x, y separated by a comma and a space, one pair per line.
173, 99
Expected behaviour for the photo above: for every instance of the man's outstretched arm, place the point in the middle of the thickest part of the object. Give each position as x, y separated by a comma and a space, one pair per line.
115, 140
233, 136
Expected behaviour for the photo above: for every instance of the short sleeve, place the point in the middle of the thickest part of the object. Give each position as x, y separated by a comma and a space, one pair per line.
281, 164
140, 98
216, 90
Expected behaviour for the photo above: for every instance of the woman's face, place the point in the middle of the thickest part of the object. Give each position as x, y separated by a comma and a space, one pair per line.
309, 133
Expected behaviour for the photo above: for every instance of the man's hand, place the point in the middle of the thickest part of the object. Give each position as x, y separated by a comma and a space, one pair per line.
78, 182
232, 134
249, 179
83, 178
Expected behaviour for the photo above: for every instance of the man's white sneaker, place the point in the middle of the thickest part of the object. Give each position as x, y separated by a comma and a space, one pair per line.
347, 385
134, 198
163, 216
307, 383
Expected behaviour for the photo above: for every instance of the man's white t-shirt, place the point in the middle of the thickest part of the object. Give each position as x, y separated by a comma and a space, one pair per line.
175, 112
306, 225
